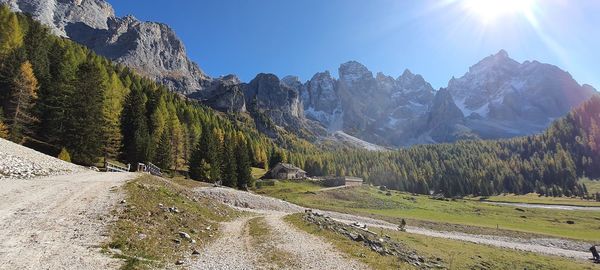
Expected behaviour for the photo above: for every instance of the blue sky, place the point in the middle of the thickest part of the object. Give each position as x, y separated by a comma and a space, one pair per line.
438, 39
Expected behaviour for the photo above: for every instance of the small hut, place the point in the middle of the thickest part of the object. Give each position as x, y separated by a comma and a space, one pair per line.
285, 171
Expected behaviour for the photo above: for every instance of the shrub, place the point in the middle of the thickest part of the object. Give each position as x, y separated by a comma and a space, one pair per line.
64, 155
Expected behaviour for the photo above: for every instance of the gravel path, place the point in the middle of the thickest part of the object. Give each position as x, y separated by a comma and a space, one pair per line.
57, 222
309, 251
20, 162
306, 251
231, 251
547, 246
234, 249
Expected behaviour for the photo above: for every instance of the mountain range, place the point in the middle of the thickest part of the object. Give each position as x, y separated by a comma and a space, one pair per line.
497, 98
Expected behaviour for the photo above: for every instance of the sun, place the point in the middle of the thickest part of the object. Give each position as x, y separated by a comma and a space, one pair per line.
491, 10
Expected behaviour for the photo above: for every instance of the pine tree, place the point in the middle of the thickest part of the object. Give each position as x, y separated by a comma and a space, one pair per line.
134, 128
244, 170
84, 121
197, 165
55, 96
176, 137
163, 157
113, 105
23, 98
11, 35
229, 166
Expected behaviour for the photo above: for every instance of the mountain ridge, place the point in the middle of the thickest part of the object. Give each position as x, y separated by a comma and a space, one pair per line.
498, 97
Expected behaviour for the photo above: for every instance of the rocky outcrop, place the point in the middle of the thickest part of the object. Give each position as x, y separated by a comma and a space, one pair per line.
225, 94
152, 49
377, 109
381, 244
280, 103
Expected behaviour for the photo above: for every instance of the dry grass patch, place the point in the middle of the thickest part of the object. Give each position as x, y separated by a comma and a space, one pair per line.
146, 233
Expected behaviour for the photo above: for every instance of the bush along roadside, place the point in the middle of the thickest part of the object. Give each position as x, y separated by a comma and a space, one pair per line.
381, 244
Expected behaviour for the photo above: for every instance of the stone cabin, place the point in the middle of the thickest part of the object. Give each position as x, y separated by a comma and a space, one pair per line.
352, 181
285, 171
336, 181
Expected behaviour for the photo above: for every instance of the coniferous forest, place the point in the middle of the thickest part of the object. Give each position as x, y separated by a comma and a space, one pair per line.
60, 98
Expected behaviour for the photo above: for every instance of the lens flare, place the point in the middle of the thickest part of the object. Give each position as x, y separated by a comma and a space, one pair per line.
492, 10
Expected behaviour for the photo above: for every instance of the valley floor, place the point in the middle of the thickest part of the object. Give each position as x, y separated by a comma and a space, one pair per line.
263, 240
58, 222
273, 209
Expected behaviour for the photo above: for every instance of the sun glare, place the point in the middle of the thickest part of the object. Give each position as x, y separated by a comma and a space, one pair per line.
491, 10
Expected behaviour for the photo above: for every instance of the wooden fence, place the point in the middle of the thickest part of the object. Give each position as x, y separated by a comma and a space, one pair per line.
111, 167
149, 168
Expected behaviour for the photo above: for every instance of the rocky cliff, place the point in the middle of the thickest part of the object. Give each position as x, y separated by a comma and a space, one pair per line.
153, 49
497, 98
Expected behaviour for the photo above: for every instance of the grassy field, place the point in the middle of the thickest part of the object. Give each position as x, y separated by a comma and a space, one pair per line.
257, 173
593, 186
146, 233
455, 254
460, 215
536, 199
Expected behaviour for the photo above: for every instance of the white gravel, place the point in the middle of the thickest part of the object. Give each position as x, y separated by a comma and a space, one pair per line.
19, 162
58, 222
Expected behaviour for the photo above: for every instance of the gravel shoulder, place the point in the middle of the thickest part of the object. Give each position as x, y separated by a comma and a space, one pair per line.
58, 222
19, 162
546, 246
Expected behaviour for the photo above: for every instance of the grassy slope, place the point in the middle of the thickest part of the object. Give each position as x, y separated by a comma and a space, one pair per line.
257, 173
421, 210
536, 199
455, 254
593, 186
141, 215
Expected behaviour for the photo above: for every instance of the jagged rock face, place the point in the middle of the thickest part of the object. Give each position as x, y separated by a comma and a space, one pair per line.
280, 103
503, 98
378, 109
59, 13
224, 94
150, 48
497, 98
445, 122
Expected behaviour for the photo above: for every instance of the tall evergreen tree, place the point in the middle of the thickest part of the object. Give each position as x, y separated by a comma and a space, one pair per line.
23, 98
244, 170
229, 166
55, 96
11, 34
84, 121
134, 128
163, 157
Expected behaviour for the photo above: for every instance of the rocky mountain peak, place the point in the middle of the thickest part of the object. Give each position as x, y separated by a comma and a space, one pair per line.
496, 63
353, 71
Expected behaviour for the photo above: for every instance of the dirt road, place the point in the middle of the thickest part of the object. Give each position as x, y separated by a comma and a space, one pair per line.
58, 222
235, 249
547, 246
